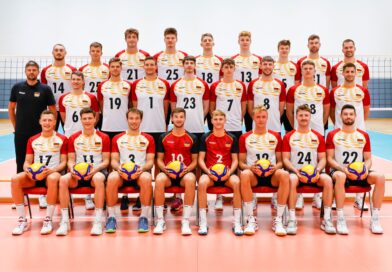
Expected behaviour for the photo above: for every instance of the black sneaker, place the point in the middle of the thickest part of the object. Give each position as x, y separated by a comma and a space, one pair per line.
137, 206
124, 203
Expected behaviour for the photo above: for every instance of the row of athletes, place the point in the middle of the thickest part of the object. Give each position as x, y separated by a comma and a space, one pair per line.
299, 147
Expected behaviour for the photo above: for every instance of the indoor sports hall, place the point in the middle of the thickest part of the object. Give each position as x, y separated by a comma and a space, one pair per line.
29, 31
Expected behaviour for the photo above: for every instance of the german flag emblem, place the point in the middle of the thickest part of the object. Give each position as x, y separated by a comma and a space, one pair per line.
98, 143
187, 144
142, 144
360, 140
314, 141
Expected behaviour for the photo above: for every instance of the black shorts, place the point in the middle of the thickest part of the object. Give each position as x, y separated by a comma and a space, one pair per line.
285, 122
237, 134
111, 134
175, 182
350, 182
130, 183
87, 183
198, 135
40, 183
156, 136
99, 124
264, 181
301, 184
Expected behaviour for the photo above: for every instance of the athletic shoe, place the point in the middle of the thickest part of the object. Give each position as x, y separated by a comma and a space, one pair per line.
328, 227
333, 204
21, 227
47, 227
251, 227
97, 228
291, 228
341, 226
160, 227
358, 203
375, 226
142, 225
185, 228
63, 229
254, 201
137, 206
300, 202
274, 201
124, 203
277, 227
203, 229
42, 202
317, 201
176, 204
219, 203
111, 225
237, 229
89, 203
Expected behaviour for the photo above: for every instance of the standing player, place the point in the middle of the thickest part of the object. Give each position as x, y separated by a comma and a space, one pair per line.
138, 147
262, 143
170, 62
304, 146
177, 144
218, 146
91, 146
247, 66
362, 77
58, 75
132, 58
49, 148
229, 96
344, 146
323, 66
114, 96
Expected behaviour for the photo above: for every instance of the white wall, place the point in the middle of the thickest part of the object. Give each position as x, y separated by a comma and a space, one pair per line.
32, 27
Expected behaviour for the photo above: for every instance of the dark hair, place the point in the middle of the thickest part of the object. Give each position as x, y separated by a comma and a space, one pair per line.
78, 73
347, 41
96, 44
136, 111
48, 112
189, 58
308, 62
32, 63
178, 110
150, 58
284, 42
267, 59
349, 65
131, 31
170, 30
228, 61
115, 59
348, 106
86, 111
313, 37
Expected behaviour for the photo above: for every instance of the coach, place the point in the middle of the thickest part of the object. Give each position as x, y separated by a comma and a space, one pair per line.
29, 98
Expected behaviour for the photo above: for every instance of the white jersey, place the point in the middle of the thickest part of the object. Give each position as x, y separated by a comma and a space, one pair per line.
208, 68
116, 97
228, 98
132, 64
150, 96
170, 67
93, 76
246, 68
287, 72
268, 94
189, 94
323, 69
361, 75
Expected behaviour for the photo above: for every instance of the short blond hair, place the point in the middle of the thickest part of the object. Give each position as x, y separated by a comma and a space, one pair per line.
218, 113
259, 108
245, 34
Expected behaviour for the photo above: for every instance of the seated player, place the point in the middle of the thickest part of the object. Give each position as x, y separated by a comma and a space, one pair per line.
261, 143
304, 146
50, 149
344, 146
90, 146
219, 146
138, 147
177, 144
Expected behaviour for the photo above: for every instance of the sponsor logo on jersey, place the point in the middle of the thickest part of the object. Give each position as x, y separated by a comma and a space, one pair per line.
170, 142
212, 142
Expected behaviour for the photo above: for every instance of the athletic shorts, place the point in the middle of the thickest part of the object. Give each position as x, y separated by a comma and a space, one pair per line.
237, 134
130, 183
87, 183
40, 183
350, 182
285, 122
264, 181
198, 136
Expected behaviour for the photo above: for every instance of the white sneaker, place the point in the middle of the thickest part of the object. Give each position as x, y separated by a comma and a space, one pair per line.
291, 228
300, 202
375, 226
185, 228
277, 227
358, 203
341, 226
160, 227
219, 203
317, 201
42, 202
21, 227
89, 203
203, 229
274, 201
47, 227
328, 227
237, 229
251, 227
97, 228
64, 228
254, 201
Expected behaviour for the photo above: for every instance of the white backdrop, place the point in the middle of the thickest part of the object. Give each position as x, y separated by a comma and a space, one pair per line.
32, 27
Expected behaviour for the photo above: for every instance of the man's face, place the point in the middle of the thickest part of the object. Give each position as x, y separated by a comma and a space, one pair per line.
348, 49
207, 43
228, 70
284, 51
150, 67
178, 119
47, 122
170, 40
218, 121
95, 53
88, 120
131, 40
348, 117
314, 45
32, 72
189, 66
115, 68
260, 118
244, 42
308, 71
134, 121
267, 67
77, 82
59, 52
303, 118
349, 74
